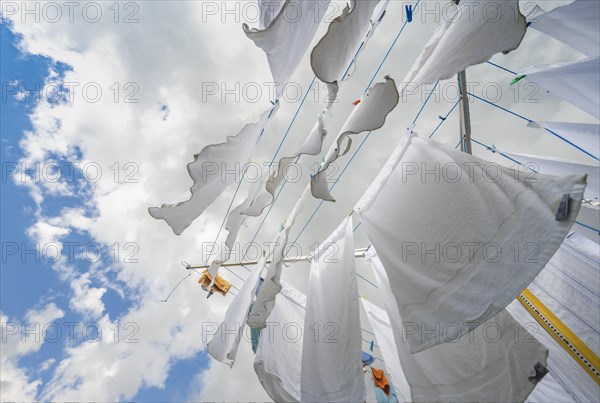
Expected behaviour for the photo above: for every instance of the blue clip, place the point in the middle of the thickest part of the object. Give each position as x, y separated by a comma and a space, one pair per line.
372, 345
409, 12
442, 118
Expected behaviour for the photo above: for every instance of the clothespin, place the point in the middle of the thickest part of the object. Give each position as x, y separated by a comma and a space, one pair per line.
382, 15
409, 12
519, 78
493, 149
356, 102
372, 345
442, 118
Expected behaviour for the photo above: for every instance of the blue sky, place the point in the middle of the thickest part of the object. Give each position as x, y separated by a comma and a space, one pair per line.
29, 282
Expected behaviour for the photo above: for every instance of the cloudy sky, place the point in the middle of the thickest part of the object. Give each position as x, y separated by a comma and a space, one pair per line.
118, 97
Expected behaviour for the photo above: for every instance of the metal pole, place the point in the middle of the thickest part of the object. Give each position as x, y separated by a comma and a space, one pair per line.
465, 115
358, 253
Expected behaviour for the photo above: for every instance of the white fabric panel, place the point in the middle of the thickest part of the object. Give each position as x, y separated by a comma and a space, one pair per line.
584, 135
585, 245
272, 282
332, 55
569, 286
331, 363
590, 217
269, 9
417, 212
224, 344
288, 36
575, 24
491, 364
279, 352
576, 82
222, 159
557, 166
369, 114
469, 34
262, 194
549, 390
384, 334
564, 370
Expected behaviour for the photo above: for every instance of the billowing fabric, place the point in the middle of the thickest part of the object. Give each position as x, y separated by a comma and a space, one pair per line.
212, 172
449, 264
381, 397
271, 285
469, 34
584, 135
576, 82
493, 363
331, 365
224, 344
279, 353
262, 193
269, 9
331, 57
288, 36
368, 115
387, 345
575, 24
557, 166
563, 369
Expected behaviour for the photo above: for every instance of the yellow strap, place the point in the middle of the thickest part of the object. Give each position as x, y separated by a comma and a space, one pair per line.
572, 344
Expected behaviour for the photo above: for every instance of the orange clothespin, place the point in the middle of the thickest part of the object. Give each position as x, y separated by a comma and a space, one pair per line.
356, 102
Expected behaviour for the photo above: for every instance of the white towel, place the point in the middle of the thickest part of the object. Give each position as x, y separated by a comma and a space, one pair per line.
331, 57
224, 344
368, 115
575, 24
584, 135
279, 352
455, 233
576, 82
469, 34
212, 172
331, 356
557, 166
492, 363
287, 37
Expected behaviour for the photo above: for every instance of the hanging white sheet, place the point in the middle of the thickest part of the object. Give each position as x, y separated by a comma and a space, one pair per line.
584, 135
331, 57
287, 38
493, 363
384, 334
557, 166
224, 344
576, 82
469, 34
368, 115
448, 226
575, 24
213, 170
331, 364
272, 282
279, 352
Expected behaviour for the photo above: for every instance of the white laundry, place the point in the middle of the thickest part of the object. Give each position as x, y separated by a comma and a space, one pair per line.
224, 344
575, 24
447, 225
493, 363
557, 166
331, 356
368, 115
279, 352
576, 82
467, 36
287, 37
211, 172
